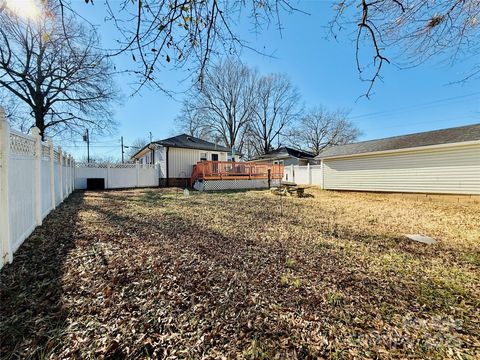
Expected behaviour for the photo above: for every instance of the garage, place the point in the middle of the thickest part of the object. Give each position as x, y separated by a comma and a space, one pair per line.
443, 161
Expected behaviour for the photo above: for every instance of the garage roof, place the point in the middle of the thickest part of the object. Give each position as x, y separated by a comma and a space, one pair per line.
284, 152
436, 137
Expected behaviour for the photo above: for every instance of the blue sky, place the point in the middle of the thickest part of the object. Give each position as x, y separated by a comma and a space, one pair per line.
323, 70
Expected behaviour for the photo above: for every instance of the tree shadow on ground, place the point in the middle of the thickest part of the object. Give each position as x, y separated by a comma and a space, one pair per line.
32, 313
166, 283
201, 290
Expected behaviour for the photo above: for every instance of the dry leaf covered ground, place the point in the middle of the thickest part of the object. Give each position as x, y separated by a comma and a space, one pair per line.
150, 273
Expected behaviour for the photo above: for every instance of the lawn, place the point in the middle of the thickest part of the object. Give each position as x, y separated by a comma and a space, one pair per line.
151, 273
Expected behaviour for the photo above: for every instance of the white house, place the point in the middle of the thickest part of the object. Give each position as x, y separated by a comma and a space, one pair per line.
441, 161
176, 156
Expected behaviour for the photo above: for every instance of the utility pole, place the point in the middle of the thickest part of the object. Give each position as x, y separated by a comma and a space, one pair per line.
122, 151
86, 138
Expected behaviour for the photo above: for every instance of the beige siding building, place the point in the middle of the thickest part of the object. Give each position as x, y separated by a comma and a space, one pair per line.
176, 156
444, 161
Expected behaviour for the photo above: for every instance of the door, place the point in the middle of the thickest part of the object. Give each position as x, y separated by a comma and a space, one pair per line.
215, 165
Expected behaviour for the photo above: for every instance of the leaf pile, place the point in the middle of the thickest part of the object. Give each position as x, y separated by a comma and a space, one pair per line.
150, 273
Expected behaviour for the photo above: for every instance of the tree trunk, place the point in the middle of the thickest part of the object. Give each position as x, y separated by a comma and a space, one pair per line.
40, 122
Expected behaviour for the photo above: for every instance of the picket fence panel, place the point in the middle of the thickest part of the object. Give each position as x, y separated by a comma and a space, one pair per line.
46, 188
28, 176
118, 176
304, 175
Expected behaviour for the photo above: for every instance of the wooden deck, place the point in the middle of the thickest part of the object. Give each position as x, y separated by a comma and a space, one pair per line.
227, 170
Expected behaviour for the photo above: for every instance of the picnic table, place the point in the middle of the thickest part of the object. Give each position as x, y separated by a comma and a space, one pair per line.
289, 189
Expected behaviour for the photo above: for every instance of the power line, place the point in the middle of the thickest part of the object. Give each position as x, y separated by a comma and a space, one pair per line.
97, 146
410, 107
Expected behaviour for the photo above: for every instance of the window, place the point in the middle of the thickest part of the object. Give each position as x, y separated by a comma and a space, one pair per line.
203, 156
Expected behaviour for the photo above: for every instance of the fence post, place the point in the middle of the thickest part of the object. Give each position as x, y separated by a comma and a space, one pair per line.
65, 180
108, 176
6, 255
309, 171
137, 167
60, 172
52, 173
73, 174
322, 169
38, 175
69, 174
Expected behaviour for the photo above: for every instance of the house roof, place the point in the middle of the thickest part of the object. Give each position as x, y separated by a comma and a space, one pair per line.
191, 142
187, 142
436, 137
285, 151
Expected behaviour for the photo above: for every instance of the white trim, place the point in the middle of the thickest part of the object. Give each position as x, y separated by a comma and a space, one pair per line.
410, 149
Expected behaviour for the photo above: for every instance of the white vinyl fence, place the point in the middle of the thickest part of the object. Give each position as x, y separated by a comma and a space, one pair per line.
304, 175
118, 176
34, 179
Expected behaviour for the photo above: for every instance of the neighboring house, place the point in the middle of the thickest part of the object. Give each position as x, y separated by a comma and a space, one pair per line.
286, 156
177, 155
441, 161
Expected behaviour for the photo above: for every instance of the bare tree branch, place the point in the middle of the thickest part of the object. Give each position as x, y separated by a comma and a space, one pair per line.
223, 107
276, 107
55, 69
320, 128
412, 32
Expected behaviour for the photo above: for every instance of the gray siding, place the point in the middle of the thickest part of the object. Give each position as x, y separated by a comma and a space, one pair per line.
453, 170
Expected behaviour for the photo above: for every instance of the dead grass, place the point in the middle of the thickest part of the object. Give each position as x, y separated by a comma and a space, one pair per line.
150, 273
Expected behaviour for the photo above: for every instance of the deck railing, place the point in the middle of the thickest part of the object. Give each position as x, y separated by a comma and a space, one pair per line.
227, 170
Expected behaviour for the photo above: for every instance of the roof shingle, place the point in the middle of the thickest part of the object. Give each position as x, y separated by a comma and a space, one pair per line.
191, 142
285, 151
436, 137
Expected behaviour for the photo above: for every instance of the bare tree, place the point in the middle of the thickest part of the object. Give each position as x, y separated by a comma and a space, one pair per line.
135, 146
14, 112
320, 128
226, 102
162, 34
276, 106
409, 32
192, 120
99, 160
53, 65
